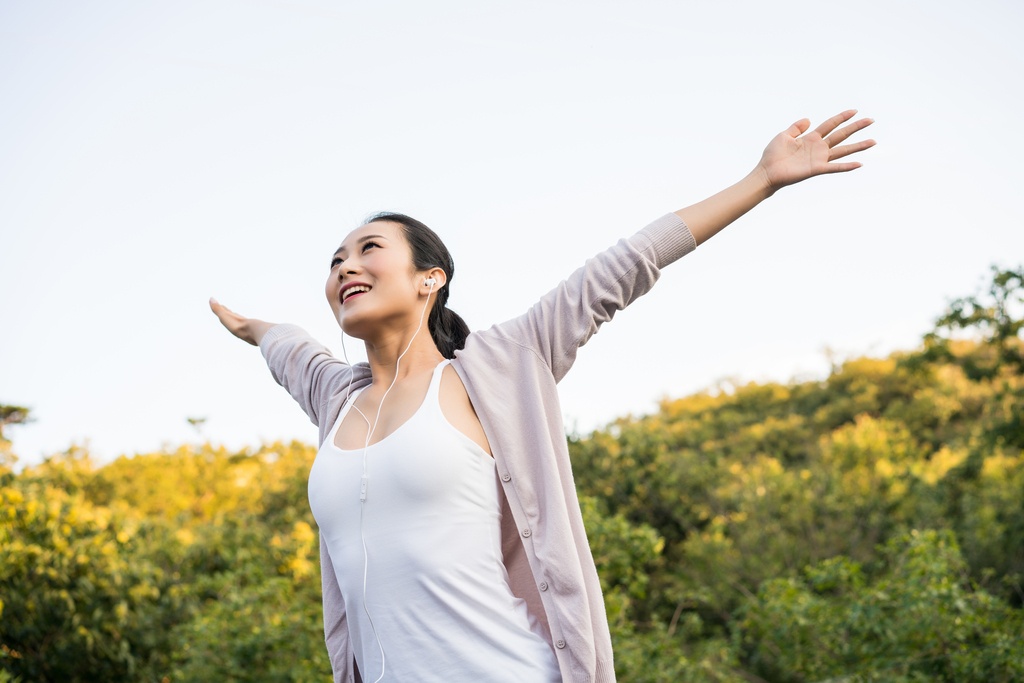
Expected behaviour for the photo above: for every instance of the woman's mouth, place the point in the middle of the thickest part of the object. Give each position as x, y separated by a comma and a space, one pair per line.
354, 291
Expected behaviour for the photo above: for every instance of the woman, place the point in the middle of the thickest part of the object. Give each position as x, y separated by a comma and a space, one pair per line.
451, 541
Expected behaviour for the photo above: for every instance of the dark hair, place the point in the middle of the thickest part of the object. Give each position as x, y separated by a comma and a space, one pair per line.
448, 330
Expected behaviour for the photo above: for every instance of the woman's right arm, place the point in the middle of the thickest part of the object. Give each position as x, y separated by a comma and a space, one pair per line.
300, 364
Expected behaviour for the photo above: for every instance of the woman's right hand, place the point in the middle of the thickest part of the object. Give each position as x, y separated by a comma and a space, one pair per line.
246, 329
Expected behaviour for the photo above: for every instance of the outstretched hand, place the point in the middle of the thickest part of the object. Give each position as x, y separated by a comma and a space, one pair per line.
794, 154
247, 329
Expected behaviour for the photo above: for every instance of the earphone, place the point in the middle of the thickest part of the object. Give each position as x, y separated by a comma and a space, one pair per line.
430, 282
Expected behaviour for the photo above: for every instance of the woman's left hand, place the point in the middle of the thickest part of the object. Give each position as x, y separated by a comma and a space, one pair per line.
793, 156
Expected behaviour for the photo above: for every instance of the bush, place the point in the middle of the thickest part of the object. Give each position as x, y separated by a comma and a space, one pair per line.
916, 617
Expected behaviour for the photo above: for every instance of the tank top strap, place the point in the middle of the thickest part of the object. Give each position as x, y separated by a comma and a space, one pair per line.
433, 398
345, 408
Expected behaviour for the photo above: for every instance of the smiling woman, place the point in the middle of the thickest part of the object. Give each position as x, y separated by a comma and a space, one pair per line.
452, 544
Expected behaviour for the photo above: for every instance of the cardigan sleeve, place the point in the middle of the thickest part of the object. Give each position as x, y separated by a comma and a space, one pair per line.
304, 367
570, 314
335, 620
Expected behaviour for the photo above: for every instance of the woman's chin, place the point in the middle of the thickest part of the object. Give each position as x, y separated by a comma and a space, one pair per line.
353, 327
352, 331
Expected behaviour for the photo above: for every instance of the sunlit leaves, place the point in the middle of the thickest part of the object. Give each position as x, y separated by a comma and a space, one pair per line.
918, 618
867, 527
82, 601
117, 573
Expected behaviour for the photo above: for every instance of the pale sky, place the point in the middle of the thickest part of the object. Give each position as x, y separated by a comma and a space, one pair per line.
154, 154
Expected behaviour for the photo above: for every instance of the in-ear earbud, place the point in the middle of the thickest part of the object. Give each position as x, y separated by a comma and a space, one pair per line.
429, 281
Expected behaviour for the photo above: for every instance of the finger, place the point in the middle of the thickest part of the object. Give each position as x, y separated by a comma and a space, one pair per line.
219, 309
840, 152
843, 167
798, 128
831, 124
227, 317
846, 131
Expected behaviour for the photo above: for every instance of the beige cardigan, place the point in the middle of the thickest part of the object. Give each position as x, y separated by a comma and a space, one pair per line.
510, 372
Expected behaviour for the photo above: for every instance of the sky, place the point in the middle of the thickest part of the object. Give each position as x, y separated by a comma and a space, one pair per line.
154, 154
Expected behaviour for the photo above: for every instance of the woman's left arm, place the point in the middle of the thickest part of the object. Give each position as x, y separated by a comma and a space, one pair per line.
567, 316
789, 158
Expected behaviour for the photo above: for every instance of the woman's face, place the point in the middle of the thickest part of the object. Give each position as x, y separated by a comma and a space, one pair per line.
373, 280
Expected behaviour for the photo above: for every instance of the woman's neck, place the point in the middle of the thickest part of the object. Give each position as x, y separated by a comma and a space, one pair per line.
383, 354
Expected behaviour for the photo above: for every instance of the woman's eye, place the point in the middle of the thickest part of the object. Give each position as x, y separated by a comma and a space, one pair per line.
337, 259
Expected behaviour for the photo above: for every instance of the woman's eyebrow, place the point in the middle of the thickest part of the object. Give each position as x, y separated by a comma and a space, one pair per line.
361, 239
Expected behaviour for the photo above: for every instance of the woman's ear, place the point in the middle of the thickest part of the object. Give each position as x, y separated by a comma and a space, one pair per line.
438, 276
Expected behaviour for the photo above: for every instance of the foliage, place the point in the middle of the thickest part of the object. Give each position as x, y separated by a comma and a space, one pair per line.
12, 415
625, 555
917, 619
755, 485
994, 313
866, 527
136, 570
82, 601
260, 628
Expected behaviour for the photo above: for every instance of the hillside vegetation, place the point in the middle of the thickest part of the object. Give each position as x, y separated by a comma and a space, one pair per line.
867, 527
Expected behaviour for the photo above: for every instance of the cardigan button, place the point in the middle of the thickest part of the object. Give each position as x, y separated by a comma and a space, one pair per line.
543, 585
526, 533
560, 644
506, 477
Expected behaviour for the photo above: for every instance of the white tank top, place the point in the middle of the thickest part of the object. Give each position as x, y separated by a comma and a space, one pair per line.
436, 587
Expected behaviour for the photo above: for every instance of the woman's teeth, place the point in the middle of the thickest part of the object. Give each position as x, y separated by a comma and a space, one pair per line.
355, 290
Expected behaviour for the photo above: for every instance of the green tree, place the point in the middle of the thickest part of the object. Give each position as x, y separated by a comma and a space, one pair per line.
995, 313
915, 617
867, 526
81, 599
10, 415
261, 617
